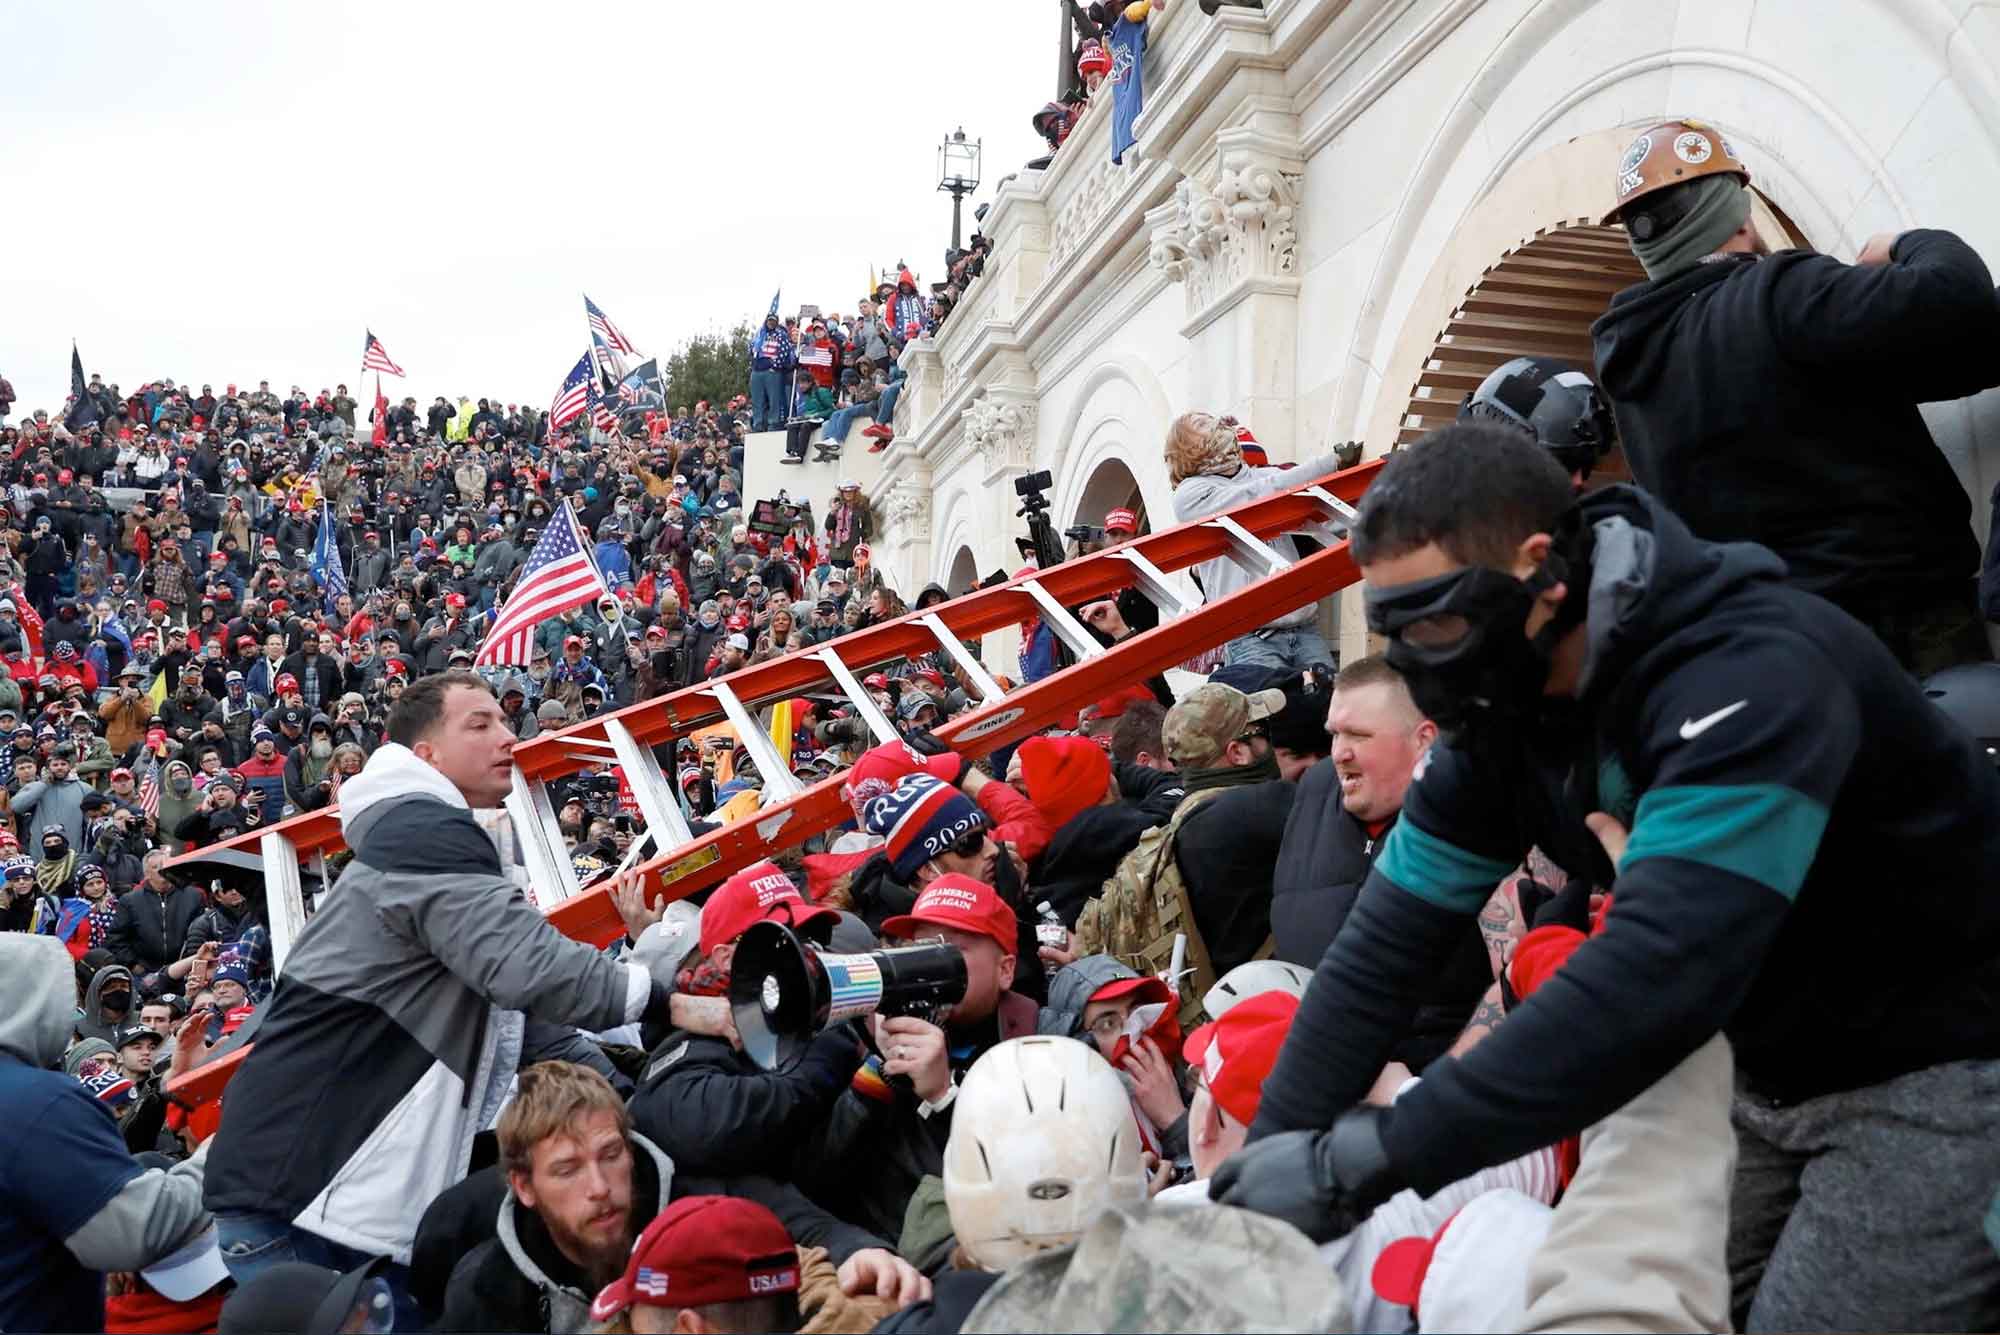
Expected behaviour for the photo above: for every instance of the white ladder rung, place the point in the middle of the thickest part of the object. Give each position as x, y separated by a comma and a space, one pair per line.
857, 695
1249, 551
552, 875
658, 801
1152, 581
989, 689
779, 782
1343, 513
1067, 628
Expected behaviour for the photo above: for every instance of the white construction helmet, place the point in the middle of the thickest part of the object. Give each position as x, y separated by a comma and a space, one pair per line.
1247, 980
1042, 1142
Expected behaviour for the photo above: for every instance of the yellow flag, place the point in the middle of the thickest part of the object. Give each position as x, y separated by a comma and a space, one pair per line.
873, 283
781, 730
157, 692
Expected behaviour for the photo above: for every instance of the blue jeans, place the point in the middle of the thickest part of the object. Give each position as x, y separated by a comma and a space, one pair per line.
767, 400
885, 408
253, 1243
836, 428
1296, 647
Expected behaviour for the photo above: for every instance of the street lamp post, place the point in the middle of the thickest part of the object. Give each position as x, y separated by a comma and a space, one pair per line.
958, 173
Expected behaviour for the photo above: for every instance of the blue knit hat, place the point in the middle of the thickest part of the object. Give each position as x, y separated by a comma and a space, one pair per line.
921, 818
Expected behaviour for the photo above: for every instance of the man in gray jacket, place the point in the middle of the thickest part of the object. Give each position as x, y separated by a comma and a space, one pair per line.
74, 1204
56, 799
397, 1023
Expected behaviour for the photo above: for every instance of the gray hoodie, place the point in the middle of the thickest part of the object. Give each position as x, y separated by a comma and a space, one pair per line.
93, 1024
153, 1214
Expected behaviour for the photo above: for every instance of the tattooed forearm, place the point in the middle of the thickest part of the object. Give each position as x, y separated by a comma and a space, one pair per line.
1485, 1019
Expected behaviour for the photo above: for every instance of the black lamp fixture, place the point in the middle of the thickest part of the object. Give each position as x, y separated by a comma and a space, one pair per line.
958, 173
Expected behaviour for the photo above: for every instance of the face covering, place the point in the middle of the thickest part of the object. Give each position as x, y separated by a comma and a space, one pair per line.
1155, 1020
321, 748
1461, 642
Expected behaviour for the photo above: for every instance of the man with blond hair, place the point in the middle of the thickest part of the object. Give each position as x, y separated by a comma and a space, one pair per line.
580, 1185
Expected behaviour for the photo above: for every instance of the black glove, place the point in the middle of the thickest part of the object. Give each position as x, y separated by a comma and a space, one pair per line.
1323, 1183
1568, 907
927, 743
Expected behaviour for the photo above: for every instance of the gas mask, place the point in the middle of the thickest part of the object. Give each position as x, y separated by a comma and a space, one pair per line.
1460, 639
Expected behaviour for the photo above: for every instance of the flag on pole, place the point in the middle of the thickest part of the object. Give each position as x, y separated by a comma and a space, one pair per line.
641, 389
149, 793
82, 409
772, 314
374, 357
601, 415
380, 416
326, 570
559, 575
602, 328
573, 397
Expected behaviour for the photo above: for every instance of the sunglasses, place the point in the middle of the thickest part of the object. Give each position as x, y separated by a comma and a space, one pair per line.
970, 844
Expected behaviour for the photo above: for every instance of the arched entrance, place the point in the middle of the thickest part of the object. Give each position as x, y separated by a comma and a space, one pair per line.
1111, 486
964, 573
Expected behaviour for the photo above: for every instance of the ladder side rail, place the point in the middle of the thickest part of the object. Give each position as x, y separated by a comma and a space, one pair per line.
284, 896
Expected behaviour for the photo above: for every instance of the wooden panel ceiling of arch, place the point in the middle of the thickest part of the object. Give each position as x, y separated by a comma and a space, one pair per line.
1538, 301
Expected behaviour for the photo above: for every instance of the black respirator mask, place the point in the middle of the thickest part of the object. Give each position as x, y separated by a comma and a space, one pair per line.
1460, 640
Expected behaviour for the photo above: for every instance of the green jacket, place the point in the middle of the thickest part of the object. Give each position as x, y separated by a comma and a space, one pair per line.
817, 402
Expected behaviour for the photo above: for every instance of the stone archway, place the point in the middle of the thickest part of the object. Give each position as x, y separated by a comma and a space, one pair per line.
963, 574
1110, 486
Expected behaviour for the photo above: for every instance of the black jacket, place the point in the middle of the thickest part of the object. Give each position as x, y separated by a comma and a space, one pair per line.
1325, 857
1774, 764
148, 929
1227, 850
718, 1113
1088, 848
1775, 400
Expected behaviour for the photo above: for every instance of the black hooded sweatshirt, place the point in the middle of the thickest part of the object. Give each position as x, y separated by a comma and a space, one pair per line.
1775, 401
1776, 769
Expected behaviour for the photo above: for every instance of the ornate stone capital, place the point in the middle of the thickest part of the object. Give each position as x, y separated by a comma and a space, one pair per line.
1002, 430
909, 509
1239, 235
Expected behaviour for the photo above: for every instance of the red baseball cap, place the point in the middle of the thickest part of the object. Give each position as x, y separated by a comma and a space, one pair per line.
1123, 519
761, 890
454, 600
963, 903
881, 768
395, 668
1236, 1053
704, 1249
286, 682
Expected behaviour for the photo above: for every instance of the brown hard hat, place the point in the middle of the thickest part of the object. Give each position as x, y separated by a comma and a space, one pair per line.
1672, 153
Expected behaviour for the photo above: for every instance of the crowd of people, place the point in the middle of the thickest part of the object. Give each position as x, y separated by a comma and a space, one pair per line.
1503, 979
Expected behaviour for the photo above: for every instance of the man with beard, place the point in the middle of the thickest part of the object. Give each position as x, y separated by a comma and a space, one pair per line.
218, 815
309, 765
580, 1184
317, 670
54, 801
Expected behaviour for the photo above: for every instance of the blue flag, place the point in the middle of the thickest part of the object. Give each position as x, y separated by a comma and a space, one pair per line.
1128, 84
82, 408
641, 389
772, 314
326, 570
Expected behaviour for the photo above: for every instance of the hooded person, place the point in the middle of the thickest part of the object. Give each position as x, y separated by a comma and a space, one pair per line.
396, 1025
1133, 1023
74, 1203
107, 1003
178, 800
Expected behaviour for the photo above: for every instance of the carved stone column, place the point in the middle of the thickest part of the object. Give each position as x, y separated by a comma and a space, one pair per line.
1001, 429
1230, 239
902, 503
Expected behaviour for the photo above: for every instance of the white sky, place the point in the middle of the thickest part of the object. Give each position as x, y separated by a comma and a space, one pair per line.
231, 191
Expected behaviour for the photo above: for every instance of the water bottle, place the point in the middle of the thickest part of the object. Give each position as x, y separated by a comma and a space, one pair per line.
1049, 930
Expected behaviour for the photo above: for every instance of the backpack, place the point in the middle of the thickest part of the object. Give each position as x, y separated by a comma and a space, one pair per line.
1144, 904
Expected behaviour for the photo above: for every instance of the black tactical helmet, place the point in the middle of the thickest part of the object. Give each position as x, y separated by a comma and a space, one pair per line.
1559, 405
1969, 694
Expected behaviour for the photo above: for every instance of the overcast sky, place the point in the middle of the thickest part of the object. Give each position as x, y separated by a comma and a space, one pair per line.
229, 191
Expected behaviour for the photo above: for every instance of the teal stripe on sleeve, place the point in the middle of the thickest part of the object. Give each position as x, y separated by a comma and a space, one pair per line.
1441, 873
1764, 832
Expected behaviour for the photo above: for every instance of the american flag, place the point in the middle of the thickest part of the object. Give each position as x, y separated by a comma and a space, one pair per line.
603, 417
149, 793
374, 357
559, 575
602, 328
574, 396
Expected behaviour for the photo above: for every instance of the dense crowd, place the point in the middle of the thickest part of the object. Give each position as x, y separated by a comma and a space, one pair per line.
1506, 979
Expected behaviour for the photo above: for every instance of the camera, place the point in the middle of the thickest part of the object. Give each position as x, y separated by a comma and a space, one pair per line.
1083, 533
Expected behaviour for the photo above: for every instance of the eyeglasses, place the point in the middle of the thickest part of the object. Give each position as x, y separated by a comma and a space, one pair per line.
1108, 1025
970, 844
